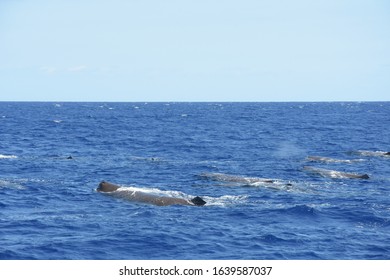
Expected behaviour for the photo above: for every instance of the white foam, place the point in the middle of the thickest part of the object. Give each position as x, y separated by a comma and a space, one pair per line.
225, 200
153, 191
332, 160
8, 184
372, 153
7, 156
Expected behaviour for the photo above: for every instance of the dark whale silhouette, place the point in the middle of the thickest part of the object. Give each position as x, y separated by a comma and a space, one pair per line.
335, 174
140, 196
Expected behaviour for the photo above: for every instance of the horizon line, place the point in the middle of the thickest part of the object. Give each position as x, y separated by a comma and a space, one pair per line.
172, 101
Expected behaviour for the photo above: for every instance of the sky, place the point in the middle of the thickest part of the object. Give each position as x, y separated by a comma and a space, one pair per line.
194, 50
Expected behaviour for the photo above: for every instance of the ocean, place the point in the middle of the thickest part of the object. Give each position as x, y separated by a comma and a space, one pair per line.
281, 181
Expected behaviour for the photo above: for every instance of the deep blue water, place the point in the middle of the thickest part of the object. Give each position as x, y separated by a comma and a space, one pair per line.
49, 207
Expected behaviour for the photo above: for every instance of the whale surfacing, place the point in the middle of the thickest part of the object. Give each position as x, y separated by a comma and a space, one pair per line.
371, 153
331, 160
145, 197
335, 174
235, 179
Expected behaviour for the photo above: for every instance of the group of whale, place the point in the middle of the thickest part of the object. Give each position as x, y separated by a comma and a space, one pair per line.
339, 174
161, 200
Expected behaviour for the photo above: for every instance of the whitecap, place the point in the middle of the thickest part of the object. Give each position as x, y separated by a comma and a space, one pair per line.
332, 160
9, 184
7, 156
371, 153
152, 191
226, 200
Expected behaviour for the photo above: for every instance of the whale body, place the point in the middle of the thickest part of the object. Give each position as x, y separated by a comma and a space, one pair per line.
145, 197
335, 174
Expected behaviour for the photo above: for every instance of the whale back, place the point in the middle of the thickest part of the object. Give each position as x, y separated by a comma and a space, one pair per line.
145, 197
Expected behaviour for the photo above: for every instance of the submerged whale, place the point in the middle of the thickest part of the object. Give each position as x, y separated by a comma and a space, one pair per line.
145, 197
335, 174
235, 179
371, 153
331, 160
247, 181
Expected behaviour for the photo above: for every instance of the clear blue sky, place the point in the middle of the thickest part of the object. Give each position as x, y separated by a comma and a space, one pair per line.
194, 50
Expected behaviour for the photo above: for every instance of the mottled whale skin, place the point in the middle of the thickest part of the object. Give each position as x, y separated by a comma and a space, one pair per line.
335, 174
144, 197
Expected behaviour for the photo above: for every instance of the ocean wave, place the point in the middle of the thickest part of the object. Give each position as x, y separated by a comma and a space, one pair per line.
302, 210
272, 239
299, 210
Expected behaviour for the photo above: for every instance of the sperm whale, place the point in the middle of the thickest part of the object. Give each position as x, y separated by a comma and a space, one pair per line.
335, 174
235, 180
145, 197
371, 153
331, 160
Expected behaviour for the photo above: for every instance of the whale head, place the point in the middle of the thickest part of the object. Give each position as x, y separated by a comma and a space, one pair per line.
198, 201
106, 187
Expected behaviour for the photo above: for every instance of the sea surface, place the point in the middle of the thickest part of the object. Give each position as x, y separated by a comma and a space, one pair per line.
265, 199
